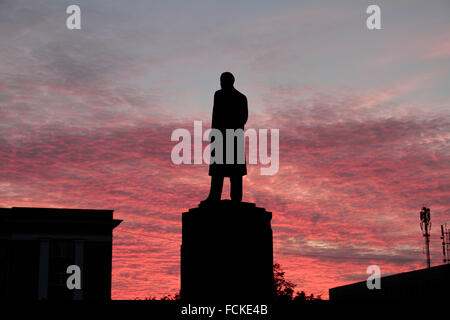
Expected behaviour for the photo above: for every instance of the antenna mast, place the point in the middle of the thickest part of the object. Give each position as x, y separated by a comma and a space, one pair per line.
425, 226
445, 236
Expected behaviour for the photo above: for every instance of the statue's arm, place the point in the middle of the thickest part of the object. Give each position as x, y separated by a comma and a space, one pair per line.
244, 111
214, 113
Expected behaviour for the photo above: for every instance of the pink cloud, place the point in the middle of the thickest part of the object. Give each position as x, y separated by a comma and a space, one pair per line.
347, 194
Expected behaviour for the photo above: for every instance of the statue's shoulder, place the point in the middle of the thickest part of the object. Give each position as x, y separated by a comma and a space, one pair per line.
242, 98
240, 94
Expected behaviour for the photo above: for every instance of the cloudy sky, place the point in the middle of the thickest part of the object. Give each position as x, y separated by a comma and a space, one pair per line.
364, 117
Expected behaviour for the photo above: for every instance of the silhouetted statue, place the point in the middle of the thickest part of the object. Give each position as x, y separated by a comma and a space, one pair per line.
230, 111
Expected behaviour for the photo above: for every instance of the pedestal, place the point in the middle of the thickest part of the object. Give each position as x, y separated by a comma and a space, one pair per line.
227, 253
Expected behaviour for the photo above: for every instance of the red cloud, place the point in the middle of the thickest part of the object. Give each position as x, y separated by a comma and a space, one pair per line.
347, 194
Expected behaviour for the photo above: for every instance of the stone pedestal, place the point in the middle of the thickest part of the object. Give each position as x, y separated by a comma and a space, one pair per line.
227, 253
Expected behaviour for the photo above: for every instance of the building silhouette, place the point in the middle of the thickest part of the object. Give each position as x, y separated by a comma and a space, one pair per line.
38, 244
419, 285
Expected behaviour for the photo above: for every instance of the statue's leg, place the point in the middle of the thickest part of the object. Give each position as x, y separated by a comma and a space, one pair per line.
236, 188
215, 192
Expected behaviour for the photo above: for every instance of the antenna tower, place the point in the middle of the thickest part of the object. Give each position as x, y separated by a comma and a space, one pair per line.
445, 236
425, 226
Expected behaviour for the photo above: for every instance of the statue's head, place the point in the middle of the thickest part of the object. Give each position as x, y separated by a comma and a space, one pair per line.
226, 80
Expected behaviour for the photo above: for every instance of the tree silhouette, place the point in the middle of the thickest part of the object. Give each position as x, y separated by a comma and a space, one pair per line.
168, 297
284, 289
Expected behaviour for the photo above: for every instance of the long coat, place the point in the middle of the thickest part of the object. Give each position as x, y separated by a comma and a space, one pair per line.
230, 111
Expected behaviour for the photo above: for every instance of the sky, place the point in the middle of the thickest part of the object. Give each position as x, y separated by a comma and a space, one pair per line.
364, 117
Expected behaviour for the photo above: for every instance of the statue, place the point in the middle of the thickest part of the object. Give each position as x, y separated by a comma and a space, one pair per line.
230, 111
225, 241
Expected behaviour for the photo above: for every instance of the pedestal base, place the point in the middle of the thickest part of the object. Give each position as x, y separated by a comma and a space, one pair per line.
227, 253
